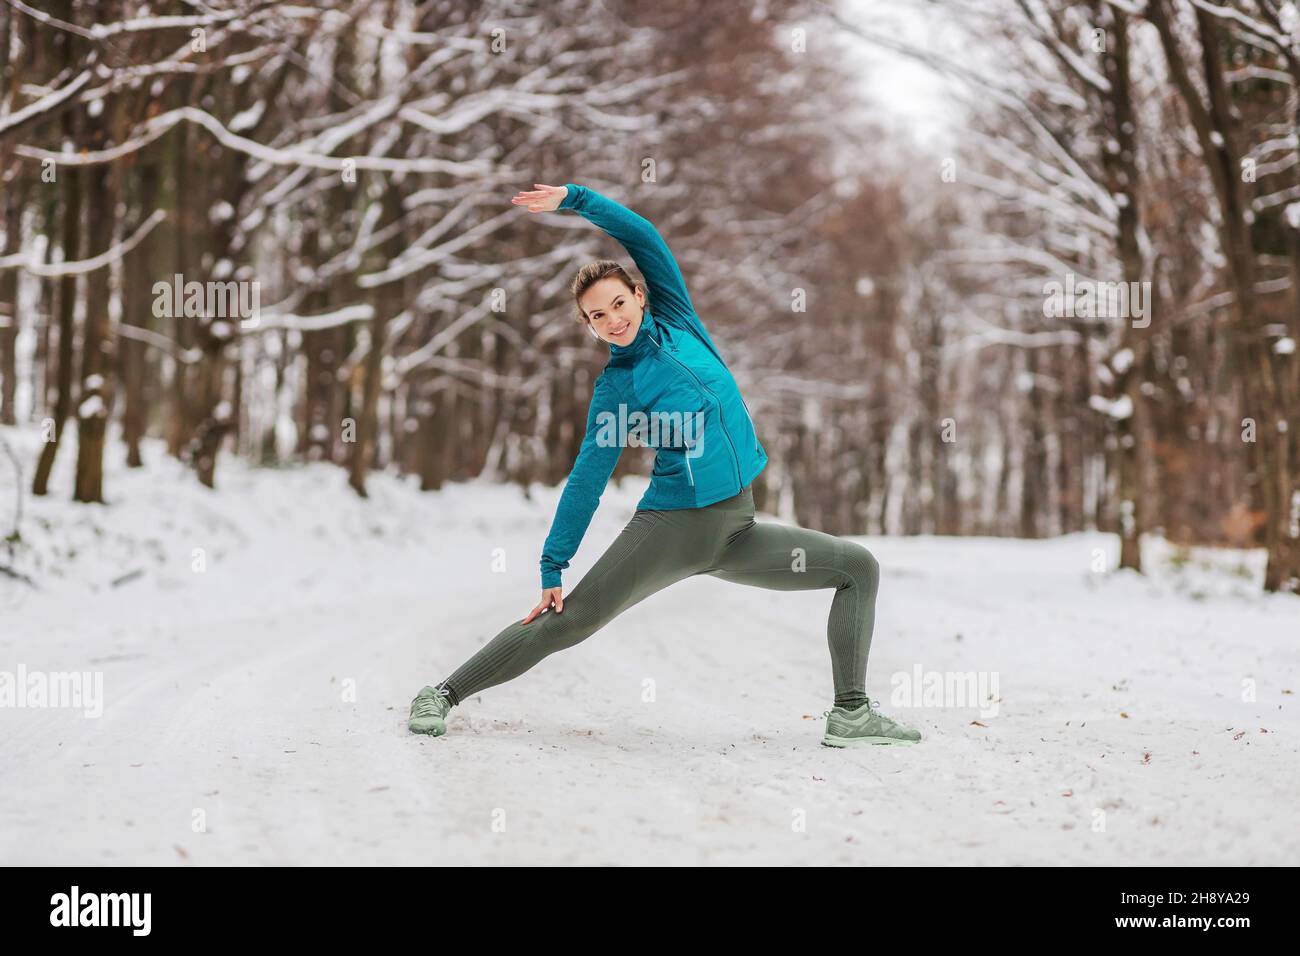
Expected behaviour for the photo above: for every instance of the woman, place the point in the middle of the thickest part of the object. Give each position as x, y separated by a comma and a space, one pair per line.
667, 377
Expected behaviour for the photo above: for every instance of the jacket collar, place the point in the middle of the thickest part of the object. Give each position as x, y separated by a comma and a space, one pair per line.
642, 342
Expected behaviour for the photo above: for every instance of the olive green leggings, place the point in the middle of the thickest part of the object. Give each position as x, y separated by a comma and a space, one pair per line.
657, 548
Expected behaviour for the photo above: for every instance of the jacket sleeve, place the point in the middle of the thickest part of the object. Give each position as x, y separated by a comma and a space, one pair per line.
668, 296
596, 459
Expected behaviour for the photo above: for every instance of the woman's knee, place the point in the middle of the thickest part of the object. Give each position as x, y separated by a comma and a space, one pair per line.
861, 568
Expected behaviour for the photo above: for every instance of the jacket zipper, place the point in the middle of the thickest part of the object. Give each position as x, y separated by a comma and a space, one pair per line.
721, 422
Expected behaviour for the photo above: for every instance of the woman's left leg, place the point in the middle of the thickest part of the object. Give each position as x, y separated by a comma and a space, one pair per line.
786, 558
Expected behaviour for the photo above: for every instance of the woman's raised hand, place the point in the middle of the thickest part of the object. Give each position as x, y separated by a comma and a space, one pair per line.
549, 596
541, 198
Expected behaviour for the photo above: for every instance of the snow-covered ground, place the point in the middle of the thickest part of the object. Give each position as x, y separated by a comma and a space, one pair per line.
258, 669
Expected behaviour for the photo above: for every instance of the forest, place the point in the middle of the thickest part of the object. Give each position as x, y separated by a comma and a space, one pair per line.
283, 233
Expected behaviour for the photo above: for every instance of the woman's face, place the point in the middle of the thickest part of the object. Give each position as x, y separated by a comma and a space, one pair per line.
613, 310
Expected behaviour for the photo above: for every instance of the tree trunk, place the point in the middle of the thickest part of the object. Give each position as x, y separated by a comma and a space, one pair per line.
67, 302
137, 311
96, 389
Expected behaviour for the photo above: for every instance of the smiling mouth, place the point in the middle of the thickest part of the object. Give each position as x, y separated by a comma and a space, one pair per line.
620, 331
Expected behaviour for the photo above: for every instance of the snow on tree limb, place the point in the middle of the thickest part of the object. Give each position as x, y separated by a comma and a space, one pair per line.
158, 125
33, 111
83, 266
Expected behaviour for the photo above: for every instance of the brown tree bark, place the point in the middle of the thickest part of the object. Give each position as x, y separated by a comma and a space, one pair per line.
96, 390
137, 311
71, 232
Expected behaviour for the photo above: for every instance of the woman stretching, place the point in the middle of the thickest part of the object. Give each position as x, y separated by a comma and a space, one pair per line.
667, 386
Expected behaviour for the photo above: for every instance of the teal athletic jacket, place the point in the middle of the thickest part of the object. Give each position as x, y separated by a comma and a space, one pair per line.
669, 387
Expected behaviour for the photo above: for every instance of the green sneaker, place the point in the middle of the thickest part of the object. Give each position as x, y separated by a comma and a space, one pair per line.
429, 712
861, 727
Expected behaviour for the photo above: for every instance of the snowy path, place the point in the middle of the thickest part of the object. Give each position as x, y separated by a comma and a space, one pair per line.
224, 693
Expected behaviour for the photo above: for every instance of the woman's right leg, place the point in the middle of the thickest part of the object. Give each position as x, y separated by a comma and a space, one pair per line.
655, 549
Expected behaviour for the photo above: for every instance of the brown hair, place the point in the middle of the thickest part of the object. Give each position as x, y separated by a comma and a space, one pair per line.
592, 273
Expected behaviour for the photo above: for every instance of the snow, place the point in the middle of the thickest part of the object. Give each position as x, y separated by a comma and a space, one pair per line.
87, 265
270, 691
47, 102
91, 406
248, 118
1289, 18
1118, 408
327, 141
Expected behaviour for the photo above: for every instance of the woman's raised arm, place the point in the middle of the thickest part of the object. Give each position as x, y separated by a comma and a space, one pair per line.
670, 302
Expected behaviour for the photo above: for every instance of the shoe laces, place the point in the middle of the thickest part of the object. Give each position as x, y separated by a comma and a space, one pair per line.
429, 705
